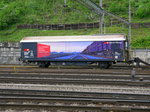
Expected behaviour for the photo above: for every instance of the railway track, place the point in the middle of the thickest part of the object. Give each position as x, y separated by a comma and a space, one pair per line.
74, 90
75, 69
78, 104
77, 101
77, 79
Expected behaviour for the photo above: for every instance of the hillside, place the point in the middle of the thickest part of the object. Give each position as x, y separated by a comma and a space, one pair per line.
15, 12
53, 11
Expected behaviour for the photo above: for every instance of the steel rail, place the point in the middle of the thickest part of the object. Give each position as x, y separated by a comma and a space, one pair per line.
47, 93
79, 71
74, 76
118, 104
70, 107
117, 66
52, 102
77, 99
129, 82
24, 69
116, 96
75, 71
118, 101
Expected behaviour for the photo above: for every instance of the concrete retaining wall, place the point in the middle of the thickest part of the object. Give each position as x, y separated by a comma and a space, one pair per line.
144, 54
10, 53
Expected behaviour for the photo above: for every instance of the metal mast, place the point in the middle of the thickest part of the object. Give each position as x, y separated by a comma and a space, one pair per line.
101, 18
130, 26
65, 3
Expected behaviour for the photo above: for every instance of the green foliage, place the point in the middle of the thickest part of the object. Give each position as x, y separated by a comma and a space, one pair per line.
2, 5
53, 11
142, 42
10, 14
118, 6
143, 10
140, 37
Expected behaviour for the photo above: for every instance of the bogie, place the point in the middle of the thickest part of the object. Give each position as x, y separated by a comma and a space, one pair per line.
104, 65
43, 64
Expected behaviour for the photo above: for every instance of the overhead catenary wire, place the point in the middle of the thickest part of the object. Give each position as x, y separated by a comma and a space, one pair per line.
98, 10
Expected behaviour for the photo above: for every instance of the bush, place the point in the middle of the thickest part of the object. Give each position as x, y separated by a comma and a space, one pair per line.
143, 10
52, 11
142, 43
118, 6
11, 14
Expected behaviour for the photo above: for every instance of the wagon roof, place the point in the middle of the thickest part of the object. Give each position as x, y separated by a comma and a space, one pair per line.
114, 37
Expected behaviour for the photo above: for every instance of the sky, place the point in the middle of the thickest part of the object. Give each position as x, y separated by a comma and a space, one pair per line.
68, 46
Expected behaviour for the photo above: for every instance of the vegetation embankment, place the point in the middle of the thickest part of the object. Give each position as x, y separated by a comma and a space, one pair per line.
15, 12
140, 37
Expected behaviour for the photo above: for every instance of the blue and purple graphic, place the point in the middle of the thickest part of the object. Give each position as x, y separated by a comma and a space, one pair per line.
84, 50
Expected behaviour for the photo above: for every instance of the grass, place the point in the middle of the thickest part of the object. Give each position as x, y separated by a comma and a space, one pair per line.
140, 36
17, 35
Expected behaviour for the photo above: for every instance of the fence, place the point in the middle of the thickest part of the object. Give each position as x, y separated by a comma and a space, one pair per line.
59, 26
74, 26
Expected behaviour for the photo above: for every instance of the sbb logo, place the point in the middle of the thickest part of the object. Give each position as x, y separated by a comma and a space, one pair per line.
28, 53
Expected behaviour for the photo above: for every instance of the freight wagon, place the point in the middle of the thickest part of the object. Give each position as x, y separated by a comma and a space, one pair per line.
101, 49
